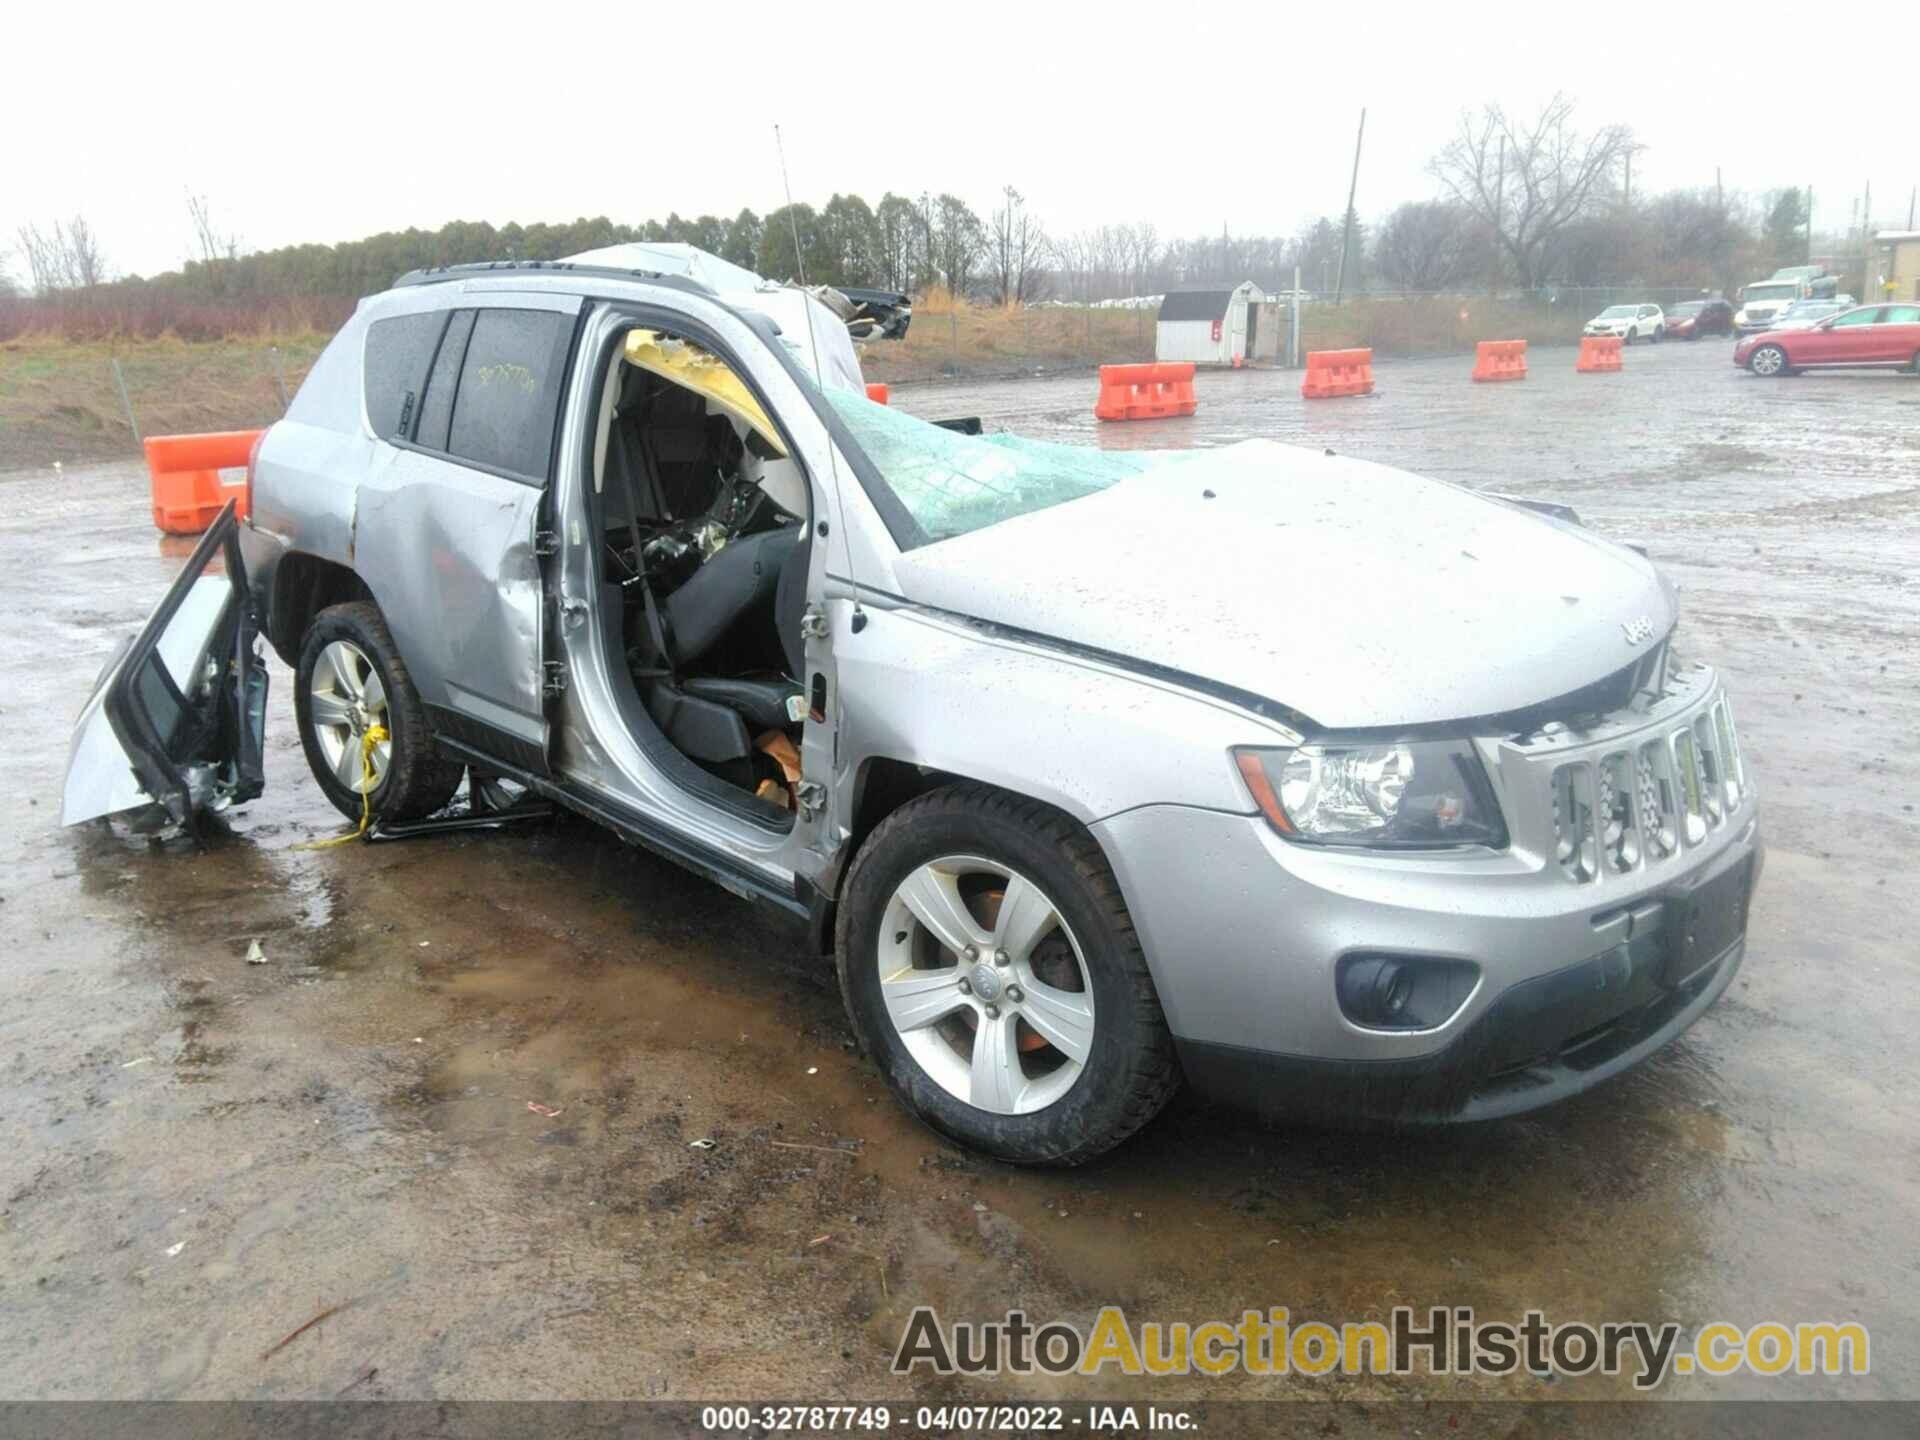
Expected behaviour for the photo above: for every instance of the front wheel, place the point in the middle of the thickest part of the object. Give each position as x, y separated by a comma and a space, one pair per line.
991, 969
1632, 335
1768, 360
350, 679
1659, 333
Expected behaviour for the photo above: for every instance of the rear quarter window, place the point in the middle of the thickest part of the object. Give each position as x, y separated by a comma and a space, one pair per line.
399, 349
510, 385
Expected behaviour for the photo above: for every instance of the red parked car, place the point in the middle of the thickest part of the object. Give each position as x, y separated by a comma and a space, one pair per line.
1868, 335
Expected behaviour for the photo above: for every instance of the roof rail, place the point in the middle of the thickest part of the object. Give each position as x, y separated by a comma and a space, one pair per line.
441, 274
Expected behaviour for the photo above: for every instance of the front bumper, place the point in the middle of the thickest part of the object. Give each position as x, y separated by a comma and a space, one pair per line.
1576, 981
1542, 1041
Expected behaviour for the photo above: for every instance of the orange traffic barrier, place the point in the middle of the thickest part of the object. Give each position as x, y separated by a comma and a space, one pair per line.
877, 392
1500, 360
1145, 392
185, 470
1332, 373
1599, 354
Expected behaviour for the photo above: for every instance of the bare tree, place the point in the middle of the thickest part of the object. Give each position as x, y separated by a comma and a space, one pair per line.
1528, 181
958, 240
1016, 242
41, 251
68, 257
86, 264
1426, 245
216, 252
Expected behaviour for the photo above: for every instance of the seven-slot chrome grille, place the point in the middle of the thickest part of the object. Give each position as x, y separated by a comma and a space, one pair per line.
1633, 808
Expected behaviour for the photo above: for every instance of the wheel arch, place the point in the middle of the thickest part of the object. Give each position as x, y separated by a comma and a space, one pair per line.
304, 584
881, 785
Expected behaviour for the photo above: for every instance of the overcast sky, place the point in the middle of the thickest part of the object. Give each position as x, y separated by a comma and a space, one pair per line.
329, 122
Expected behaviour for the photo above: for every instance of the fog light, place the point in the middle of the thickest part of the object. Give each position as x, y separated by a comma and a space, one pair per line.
1402, 992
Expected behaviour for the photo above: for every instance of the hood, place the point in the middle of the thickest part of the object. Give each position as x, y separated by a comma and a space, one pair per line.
1357, 594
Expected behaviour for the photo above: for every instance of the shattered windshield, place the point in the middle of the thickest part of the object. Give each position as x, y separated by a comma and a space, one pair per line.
952, 484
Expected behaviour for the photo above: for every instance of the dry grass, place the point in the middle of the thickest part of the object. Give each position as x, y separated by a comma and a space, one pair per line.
962, 339
58, 400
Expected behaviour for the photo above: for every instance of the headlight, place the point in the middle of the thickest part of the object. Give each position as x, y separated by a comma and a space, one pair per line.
1408, 795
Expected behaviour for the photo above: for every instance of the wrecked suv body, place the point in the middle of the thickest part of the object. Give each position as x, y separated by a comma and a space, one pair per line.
1328, 788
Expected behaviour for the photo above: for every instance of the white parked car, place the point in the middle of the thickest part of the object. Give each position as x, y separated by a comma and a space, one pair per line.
1629, 322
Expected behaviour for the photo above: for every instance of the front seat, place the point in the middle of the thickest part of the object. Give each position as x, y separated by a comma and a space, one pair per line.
743, 576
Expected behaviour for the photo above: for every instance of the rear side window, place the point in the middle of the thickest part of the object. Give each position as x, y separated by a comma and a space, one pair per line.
1903, 315
398, 351
510, 383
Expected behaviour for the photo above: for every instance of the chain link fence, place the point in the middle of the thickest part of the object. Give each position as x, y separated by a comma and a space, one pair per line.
971, 341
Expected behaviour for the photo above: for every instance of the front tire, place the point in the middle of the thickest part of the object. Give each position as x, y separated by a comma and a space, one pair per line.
1659, 333
992, 971
350, 676
1632, 335
1768, 361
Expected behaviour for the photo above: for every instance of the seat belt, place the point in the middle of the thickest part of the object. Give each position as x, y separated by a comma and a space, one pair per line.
659, 629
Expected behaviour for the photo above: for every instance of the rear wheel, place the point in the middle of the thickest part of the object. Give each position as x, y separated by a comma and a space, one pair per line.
1916, 362
991, 970
1632, 335
1659, 333
1768, 360
350, 679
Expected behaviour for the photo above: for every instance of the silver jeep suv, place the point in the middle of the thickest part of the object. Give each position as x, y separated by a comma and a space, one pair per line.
1328, 788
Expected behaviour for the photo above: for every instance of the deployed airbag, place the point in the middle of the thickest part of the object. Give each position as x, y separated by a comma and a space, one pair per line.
707, 376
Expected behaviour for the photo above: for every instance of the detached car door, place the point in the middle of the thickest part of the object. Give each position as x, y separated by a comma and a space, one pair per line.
450, 523
177, 719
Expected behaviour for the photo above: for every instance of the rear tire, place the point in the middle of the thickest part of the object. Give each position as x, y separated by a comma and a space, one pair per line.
351, 674
932, 1016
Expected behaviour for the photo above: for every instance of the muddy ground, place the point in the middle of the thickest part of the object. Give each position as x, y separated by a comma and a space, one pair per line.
197, 1155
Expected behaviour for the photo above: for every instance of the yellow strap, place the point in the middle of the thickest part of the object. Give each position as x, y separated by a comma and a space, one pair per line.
373, 736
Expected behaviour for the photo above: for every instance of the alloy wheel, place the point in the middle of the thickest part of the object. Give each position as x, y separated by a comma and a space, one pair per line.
346, 699
1768, 360
985, 984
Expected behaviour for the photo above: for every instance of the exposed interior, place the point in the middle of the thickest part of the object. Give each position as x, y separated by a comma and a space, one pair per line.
702, 518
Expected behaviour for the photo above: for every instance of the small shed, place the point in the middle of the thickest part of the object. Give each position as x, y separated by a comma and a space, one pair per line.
1218, 327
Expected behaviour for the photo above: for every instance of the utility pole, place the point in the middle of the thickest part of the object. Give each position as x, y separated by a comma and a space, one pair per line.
1346, 225
1912, 195
1867, 286
1626, 194
1809, 255
1499, 202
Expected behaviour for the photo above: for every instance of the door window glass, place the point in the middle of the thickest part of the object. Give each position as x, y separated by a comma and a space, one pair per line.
1902, 315
1870, 316
510, 384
